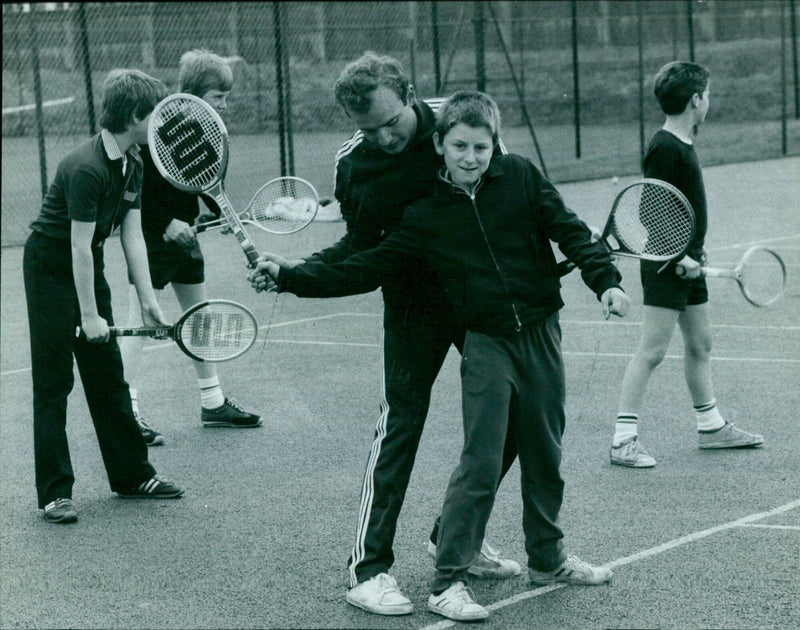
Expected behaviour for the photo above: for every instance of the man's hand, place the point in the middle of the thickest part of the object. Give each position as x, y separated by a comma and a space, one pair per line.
181, 233
688, 268
264, 277
615, 302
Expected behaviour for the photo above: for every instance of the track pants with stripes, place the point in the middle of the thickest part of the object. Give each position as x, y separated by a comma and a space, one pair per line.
513, 383
413, 352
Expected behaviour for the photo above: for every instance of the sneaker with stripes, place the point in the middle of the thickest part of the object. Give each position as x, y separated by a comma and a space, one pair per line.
154, 488
572, 571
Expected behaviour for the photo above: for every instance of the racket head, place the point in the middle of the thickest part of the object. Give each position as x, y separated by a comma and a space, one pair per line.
216, 330
283, 205
650, 219
188, 142
761, 276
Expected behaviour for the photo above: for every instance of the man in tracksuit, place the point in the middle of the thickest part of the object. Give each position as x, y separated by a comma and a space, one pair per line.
388, 164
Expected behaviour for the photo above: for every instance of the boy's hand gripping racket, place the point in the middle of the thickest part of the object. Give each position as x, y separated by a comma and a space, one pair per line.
213, 331
189, 145
281, 206
650, 220
760, 273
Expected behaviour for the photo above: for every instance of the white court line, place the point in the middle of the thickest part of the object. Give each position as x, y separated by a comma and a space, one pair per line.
793, 527
25, 108
653, 551
764, 241
168, 344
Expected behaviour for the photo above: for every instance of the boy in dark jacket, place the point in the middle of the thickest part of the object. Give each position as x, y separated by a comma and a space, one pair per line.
485, 233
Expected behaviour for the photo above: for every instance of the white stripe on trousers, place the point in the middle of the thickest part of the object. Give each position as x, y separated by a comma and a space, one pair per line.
368, 486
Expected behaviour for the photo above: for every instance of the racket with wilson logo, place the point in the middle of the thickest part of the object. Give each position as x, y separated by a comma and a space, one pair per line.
189, 145
213, 331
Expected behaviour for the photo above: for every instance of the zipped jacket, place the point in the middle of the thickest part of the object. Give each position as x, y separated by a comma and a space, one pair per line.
490, 251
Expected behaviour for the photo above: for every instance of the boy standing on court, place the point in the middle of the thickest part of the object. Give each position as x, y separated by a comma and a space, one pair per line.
174, 254
485, 232
682, 90
387, 164
96, 189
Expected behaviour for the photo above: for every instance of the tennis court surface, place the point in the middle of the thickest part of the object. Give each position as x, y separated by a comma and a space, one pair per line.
261, 537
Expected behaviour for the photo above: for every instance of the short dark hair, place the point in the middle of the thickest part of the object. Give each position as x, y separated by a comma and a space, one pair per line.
360, 78
128, 93
475, 109
202, 70
677, 82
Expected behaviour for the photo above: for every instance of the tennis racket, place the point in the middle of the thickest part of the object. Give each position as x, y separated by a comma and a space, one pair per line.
650, 220
281, 206
189, 145
213, 331
760, 273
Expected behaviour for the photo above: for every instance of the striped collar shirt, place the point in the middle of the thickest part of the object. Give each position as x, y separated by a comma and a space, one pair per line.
113, 151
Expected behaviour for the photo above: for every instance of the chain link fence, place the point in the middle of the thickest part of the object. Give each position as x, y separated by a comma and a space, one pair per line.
573, 79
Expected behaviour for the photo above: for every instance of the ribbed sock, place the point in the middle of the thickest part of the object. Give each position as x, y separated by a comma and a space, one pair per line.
708, 417
211, 395
625, 427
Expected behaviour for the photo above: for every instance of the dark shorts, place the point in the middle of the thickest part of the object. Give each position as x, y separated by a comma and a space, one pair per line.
668, 290
169, 262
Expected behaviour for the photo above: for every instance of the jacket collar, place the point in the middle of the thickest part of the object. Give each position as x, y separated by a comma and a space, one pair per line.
445, 184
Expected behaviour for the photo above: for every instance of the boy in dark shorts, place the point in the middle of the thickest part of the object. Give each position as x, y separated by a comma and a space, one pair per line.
682, 90
174, 253
485, 233
96, 189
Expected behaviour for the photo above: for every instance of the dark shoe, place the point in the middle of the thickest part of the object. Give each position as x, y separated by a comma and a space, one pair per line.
151, 436
60, 511
155, 488
229, 414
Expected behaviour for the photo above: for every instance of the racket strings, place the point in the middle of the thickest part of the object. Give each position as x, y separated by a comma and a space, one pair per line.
652, 221
284, 205
189, 143
762, 277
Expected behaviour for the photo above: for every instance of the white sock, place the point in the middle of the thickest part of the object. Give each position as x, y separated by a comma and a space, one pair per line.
625, 427
708, 417
211, 395
134, 399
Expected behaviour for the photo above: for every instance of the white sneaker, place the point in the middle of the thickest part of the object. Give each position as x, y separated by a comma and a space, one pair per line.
489, 564
456, 603
381, 596
572, 571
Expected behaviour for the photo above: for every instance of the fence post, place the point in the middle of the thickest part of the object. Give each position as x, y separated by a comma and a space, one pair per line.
480, 49
87, 66
437, 70
793, 23
690, 26
641, 79
37, 92
276, 18
784, 113
576, 93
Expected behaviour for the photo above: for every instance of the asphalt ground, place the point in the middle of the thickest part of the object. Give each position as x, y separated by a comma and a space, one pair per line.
261, 537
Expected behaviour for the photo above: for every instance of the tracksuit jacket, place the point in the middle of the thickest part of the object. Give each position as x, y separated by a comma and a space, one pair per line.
490, 251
